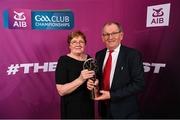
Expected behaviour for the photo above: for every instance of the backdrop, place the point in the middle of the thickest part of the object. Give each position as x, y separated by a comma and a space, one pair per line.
33, 35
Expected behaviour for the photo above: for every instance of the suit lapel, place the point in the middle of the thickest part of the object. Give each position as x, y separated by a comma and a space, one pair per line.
119, 66
100, 60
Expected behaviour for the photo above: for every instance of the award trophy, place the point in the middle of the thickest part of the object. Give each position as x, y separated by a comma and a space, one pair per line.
91, 64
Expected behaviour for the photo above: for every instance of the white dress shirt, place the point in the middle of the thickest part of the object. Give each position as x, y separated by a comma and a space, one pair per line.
114, 61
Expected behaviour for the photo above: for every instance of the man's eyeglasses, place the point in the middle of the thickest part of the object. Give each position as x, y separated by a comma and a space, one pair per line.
76, 42
113, 34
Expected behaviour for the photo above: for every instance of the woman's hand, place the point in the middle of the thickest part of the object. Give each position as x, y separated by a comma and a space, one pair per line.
86, 74
91, 84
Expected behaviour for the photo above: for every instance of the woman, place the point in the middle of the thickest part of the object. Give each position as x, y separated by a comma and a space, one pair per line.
71, 80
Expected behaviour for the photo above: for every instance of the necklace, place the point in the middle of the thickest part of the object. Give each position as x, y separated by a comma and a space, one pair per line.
81, 57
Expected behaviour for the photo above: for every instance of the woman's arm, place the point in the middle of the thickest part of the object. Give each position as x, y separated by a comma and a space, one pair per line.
64, 89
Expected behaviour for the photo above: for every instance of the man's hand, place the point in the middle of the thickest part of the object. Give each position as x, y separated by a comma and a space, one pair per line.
105, 95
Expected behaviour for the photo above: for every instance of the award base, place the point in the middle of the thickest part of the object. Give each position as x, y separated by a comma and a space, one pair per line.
94, 93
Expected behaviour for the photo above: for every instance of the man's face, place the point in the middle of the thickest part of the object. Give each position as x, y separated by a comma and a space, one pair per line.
112, 36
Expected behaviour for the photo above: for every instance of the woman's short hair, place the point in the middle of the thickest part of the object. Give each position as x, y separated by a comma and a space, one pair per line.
74, 34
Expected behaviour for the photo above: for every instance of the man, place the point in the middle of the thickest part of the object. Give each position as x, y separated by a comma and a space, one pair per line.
120, 76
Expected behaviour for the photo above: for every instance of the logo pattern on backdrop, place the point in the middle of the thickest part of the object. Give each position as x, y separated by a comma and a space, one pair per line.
158, 15
40, 20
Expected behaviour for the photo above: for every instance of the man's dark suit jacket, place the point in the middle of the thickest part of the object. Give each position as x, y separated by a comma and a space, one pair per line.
128, 80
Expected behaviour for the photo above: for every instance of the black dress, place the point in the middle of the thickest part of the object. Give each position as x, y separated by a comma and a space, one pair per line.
77, 104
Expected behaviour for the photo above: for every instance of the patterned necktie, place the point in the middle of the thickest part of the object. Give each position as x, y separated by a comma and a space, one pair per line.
107, 71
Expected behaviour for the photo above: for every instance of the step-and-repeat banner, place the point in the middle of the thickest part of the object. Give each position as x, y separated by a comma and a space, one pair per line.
33, 35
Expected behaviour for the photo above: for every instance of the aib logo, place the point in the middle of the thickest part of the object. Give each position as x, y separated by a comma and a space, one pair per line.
17, 19
158, 12
158, 15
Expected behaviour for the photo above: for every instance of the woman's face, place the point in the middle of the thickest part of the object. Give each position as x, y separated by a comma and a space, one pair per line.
77, 45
